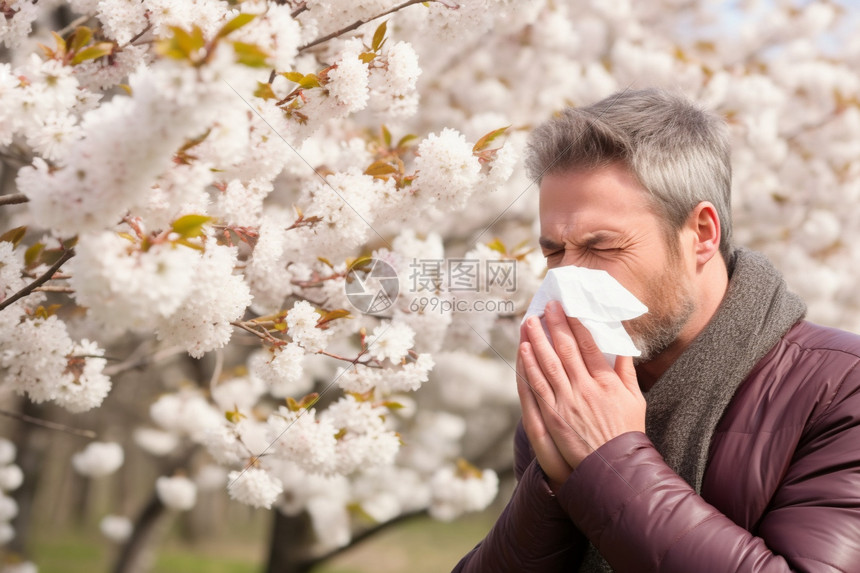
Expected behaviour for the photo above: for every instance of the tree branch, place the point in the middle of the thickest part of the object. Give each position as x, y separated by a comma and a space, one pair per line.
13, 199
134, 363
39, 281
359, 23
74, 24
299, 9
49, 288
50, 425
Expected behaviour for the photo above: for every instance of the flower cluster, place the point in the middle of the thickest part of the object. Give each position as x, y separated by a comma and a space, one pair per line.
11, 478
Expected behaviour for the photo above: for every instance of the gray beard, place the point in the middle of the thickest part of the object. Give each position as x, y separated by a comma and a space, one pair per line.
653, 337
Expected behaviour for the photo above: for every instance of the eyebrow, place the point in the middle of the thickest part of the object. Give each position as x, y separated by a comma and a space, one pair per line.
591, 240
550, 245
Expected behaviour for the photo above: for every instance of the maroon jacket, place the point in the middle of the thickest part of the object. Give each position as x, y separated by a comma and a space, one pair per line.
781, 490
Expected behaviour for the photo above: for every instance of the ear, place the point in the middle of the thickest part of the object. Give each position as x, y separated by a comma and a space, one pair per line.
705, 226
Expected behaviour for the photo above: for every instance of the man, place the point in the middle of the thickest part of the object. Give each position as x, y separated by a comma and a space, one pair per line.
747, 456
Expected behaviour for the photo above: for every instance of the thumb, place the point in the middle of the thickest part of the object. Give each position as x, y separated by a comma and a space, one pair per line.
626, 371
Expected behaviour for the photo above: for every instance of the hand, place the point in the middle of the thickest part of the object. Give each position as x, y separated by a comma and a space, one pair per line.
583, 403
550, 459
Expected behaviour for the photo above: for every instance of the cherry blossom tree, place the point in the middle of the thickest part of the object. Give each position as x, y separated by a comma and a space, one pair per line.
223, 179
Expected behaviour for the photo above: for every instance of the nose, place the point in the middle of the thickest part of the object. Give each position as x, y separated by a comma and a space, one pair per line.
568, 259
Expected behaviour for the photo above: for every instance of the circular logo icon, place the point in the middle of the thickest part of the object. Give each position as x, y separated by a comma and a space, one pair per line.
371, 285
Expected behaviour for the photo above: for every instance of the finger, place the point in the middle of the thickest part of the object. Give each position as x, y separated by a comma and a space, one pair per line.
546, 361
591, 354
524, 333
564, 342
532, 416
533, 376
546, 451
532, 419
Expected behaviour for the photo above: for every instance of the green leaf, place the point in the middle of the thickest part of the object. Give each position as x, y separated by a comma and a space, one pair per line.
360, 264
13, 236
93, 52
31, 255
485, 141
81, 38
234, 416
191, 42
310, 81
189, 226
498, 246
250, 55
193, 142
367, 57
380, 169
61, 43
181, 45
304, 403
309, 400
326, 262
264, 91
466, 470
386, 136
379, 36
46, 312
406, 139
235, 24
294, 77
333, 315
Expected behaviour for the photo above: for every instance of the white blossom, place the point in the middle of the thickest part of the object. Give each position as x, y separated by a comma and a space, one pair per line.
241, 393
330, 520
117, 528
8, 508
7, 533
302, 327
156, 442
177, 492
453, 494
15, 26
391, 341
98, 459
210, 477
7, 451
447, 170
302, 437
186, 413
42, 361
254, 487
218, 297
281, 370
11, 477
349, 82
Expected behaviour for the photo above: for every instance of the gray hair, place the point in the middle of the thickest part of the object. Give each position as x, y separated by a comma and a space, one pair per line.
678, 151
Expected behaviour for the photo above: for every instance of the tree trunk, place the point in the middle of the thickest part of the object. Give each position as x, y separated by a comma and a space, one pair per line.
129, 560
288, 547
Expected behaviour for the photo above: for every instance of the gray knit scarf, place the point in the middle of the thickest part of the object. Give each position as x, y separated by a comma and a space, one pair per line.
688, 400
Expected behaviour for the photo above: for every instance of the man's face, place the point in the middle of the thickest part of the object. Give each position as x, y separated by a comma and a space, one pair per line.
601, 219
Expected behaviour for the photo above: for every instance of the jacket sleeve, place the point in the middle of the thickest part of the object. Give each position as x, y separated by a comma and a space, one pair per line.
533, 533
642, 516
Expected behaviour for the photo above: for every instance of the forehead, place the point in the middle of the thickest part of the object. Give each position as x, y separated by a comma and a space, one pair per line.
609, 197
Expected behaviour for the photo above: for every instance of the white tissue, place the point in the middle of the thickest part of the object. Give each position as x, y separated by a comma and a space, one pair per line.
597, 300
